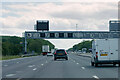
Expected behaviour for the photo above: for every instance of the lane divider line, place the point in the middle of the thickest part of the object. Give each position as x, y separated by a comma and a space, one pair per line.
42, 64
5, 65
34, 69
83, 67
95, 77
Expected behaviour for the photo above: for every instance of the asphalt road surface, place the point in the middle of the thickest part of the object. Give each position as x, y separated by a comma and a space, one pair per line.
46, 67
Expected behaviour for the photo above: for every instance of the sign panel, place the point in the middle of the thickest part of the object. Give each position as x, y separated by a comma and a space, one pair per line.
42, 25
72, 35
114, 25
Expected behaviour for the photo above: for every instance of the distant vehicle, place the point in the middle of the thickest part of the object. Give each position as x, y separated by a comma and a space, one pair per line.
45, 49
60, 53
84, 50
105, 51
49, 54
52, 51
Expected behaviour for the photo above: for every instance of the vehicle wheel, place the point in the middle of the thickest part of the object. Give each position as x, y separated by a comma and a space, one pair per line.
114, 64
54, 58
96, 65
92, 63
119, 64
66, 58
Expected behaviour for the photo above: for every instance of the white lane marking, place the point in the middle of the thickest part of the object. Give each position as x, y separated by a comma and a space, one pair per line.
9, 75
18, 71
95, 77
77, 63
20, 58
83, 67
31, 65
34, 69
5, 65
19, 79
72, 60
42, 64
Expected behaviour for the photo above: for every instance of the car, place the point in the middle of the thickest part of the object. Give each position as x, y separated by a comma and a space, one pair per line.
60, 54
49, 54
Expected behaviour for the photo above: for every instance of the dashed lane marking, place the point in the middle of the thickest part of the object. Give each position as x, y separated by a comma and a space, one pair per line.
83, 67
42, 64
95, 77
77, 63
31, 65
34, 69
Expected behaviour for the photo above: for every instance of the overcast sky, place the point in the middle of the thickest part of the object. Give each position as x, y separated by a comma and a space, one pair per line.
63, 16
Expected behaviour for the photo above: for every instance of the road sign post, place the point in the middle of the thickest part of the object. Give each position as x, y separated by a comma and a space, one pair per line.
25, 44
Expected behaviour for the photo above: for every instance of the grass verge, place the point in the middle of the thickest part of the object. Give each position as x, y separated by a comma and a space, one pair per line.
10, 57
15, 56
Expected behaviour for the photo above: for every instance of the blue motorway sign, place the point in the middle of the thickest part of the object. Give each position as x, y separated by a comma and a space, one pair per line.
71, 35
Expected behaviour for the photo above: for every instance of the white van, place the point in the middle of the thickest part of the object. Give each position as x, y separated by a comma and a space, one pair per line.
105, 51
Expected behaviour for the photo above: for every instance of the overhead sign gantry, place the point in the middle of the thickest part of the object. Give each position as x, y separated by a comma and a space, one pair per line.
72, 35
43, 32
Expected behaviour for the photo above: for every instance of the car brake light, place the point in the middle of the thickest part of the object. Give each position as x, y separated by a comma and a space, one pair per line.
65, 52
96, 54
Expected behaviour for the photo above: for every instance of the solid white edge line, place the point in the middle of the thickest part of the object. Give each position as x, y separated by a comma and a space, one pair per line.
9, 75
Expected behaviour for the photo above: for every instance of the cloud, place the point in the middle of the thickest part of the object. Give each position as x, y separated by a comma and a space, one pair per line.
19, 17
84, 10
62, 17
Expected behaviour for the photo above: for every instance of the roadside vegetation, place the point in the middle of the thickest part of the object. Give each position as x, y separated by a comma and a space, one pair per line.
10, 57
84, 44
13, 46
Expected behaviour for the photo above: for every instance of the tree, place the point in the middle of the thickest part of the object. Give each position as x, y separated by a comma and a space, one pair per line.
11, 45
83, 44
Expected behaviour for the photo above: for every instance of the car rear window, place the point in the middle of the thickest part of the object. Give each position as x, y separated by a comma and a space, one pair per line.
60, 51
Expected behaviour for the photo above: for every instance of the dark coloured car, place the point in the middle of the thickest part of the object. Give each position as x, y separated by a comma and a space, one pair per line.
60, 54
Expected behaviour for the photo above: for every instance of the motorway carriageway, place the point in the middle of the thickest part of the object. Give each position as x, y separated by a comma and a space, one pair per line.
46, 67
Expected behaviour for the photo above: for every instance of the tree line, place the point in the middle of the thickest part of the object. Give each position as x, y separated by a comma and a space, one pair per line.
13, 45
84, 44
